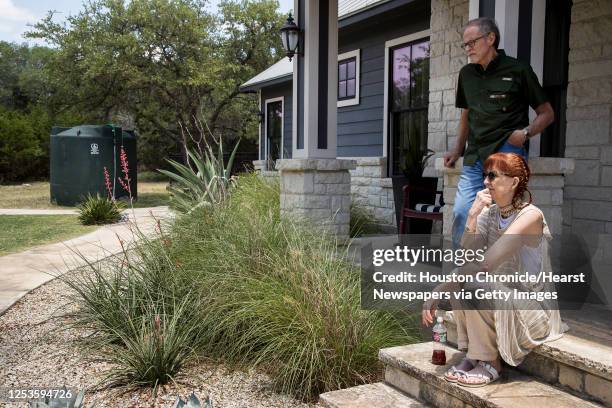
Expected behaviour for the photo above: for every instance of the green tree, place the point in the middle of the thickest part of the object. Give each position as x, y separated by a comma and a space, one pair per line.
250, 43
22, 79
166, 64
25, 117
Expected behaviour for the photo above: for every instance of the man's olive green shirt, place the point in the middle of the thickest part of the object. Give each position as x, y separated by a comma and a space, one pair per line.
498, 100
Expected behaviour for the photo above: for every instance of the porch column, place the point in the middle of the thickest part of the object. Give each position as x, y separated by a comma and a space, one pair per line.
315, 185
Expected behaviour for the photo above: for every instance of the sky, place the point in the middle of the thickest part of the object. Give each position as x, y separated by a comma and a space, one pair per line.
15, 15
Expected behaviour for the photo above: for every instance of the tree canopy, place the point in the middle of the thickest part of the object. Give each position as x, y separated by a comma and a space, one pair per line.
160, 65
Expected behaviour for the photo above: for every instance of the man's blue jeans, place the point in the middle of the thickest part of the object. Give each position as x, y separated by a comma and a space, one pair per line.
470, 183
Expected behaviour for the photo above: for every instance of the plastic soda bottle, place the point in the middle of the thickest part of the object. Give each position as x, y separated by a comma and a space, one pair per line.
439, 342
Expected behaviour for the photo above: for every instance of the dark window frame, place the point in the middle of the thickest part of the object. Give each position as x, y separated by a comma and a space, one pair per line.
392, 111
555, 75
347, 61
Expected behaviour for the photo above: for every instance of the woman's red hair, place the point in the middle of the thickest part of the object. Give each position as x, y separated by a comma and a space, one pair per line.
512, 165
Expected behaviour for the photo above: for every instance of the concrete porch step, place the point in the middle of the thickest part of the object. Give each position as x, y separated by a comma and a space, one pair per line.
581, 360
377, 395
409, 369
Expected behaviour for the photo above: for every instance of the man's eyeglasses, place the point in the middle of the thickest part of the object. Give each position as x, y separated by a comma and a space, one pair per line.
472, 43
491, 175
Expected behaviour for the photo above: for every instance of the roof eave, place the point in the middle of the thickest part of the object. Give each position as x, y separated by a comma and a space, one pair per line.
269, 82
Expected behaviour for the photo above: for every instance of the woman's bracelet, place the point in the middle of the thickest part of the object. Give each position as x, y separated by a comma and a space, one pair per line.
469, 230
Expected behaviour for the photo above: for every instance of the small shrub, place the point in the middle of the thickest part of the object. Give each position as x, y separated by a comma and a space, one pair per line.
97, 210
361, 221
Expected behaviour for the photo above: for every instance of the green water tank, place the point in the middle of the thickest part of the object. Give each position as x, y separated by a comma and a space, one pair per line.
78, 158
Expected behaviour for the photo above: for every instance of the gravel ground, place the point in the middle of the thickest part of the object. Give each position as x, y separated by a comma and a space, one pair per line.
37, 351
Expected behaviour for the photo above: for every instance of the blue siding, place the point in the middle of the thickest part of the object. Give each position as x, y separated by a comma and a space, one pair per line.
360, 127
277, 91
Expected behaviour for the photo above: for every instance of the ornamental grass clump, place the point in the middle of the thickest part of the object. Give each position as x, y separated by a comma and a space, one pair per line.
140, 313
97, 210
284, 297
361, 221
238, 283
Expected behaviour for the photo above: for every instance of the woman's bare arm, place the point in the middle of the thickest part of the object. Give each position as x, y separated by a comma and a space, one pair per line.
523, 231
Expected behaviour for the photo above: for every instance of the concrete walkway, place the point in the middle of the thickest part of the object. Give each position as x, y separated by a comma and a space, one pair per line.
22, 272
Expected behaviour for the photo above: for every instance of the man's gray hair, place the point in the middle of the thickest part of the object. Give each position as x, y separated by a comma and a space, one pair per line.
485, 25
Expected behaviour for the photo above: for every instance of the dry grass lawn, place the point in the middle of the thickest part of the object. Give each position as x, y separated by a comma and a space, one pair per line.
37, 195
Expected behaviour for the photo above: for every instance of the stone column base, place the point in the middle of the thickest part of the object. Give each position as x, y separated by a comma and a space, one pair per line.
546, 185
373, 190
317, 192
261, 167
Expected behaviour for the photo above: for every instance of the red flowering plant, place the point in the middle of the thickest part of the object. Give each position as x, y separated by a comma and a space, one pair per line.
125, 181
107, 183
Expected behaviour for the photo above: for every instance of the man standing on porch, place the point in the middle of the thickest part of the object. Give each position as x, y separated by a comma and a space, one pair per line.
495, 92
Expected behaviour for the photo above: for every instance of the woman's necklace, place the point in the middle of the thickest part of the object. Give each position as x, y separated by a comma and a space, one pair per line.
507, 210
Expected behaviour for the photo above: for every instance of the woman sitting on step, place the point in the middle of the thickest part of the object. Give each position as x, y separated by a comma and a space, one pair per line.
515, 236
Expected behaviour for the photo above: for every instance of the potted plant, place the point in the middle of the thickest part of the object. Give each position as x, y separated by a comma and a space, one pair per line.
414, 160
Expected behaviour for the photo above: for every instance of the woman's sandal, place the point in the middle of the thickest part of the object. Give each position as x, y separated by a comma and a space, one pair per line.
487, 375
453, 373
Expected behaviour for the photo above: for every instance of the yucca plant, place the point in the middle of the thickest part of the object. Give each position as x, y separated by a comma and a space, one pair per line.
97, 210
204, 181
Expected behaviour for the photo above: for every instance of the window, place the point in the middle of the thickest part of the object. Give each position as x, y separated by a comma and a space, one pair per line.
348, 78
409, 101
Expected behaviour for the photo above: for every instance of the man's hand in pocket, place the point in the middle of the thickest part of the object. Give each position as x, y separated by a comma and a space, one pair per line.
517, 138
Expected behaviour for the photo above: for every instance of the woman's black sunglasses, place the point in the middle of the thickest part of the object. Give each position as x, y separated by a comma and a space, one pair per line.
491, 175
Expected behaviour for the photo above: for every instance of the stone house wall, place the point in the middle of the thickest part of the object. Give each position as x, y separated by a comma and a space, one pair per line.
588, 193
371, 189
448, 17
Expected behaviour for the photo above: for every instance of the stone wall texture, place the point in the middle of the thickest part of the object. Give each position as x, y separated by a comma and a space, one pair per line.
448, 17
587, 205
317, 192
372, 190
369, 187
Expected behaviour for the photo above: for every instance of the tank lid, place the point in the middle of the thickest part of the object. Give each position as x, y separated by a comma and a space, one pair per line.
91, 131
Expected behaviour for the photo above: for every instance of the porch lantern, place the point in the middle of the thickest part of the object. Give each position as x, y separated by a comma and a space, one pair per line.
290, 37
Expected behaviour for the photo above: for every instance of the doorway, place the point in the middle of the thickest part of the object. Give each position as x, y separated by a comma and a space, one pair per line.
274, 130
